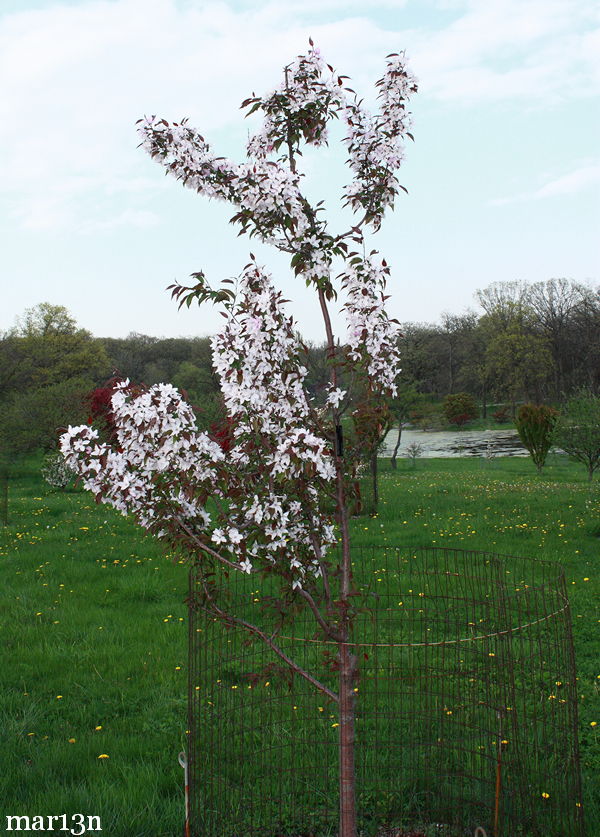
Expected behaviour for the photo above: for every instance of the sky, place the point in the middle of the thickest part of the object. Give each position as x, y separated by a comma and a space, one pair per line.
503, 179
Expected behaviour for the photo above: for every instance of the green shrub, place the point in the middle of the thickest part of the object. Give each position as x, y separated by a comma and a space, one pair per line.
535, 426
460, 408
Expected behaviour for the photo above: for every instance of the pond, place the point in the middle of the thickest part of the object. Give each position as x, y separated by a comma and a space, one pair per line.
456, 443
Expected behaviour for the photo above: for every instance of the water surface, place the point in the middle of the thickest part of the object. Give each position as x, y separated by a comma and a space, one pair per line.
452, 443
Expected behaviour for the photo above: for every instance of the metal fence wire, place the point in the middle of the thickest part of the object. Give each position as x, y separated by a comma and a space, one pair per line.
466, 705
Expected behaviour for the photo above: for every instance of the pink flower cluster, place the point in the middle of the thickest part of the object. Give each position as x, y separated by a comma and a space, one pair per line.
372, 335
157, 458
376, 142
267, 192
162, 470
269, 492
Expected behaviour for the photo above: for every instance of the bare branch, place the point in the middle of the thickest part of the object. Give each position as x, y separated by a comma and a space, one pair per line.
229, 619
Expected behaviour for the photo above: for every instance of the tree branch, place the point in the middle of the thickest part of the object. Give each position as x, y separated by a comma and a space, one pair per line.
254, 629
205, 548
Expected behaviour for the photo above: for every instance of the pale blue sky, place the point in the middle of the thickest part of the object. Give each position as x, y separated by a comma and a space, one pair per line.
503, 180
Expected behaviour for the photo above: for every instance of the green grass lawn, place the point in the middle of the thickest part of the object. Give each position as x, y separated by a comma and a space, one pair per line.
94, 640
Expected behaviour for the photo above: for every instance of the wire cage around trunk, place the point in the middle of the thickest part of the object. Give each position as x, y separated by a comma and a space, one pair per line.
466, 711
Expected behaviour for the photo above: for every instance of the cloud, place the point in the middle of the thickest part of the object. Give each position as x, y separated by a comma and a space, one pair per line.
536, 50
580, 179
75, 77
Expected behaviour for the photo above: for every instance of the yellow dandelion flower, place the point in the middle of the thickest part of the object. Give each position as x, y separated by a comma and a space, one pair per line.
103, 756
72, 740
546, 795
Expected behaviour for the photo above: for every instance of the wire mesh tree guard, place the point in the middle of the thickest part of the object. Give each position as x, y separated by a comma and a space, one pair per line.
466, 705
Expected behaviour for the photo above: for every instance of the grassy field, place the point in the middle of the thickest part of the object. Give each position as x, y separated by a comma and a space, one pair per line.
94, 640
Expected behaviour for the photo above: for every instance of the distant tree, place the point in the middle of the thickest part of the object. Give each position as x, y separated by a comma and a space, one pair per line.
475, 374
46, 347
460, 408
414, 451
559, 308
47, 364
371, 421
519, 363
504, 303
129, 355
455, 336
31, 420
535, 426
577, 430
586, 345
401, 408
423, 358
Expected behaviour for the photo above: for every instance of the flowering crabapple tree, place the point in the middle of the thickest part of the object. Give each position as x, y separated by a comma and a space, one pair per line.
276, 500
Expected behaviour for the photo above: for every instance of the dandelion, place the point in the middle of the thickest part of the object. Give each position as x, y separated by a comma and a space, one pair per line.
545, 795
103, 756
72, 740
99, 727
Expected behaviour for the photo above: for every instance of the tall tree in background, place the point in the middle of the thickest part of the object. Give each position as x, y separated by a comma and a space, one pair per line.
559, 306
47, 364
46, 347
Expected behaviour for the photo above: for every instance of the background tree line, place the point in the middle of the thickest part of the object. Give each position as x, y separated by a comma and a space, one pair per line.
531, 342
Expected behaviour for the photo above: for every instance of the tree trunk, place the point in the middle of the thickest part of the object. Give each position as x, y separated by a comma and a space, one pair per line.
4, 497
398, 440
347, 678
374, 463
